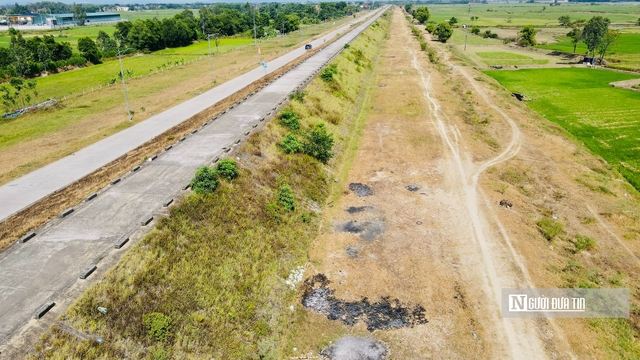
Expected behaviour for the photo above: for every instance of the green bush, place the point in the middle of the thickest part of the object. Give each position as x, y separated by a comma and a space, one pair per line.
443, 32
475, 30
158, 326
291, 144
584, 243
290, 119
205, 181
423, 46
285, 198
328, 72
298, 95
430, 28
318, 143
346, 46
550, 228
227, 169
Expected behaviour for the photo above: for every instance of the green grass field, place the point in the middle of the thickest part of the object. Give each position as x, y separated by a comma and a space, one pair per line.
150, 14
202, 47
459, 34
628, 44
70, 35
606, 119
491, 15
506, 58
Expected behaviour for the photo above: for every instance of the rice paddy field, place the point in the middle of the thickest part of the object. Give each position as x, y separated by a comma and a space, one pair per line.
507, 58
604, 118
492, 15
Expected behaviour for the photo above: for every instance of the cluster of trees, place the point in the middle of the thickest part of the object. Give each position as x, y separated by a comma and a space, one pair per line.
442, 31
595, 34
18, 93
48, 7
28, 58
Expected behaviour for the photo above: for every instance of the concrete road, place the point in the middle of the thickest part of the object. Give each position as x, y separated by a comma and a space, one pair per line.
22, 192
48, 265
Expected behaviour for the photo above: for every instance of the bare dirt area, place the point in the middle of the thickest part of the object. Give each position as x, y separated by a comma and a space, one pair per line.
442, 148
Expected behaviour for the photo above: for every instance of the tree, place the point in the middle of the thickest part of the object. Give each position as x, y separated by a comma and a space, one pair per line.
453, 20
105, 43
576, 37
422, 14
638, 22
609, 39
407, 8
443, 32
594, 32
564, 20
80, 14
89, 50
527, 36
475, 30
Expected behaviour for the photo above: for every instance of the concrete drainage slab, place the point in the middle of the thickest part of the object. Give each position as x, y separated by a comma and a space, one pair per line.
355, 348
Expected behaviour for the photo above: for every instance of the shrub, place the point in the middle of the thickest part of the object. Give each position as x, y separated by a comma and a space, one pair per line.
318, 143
475, 30
290, 119
584, 243
443, 32
430, 28
346, 46
285, 198
158, 326
423, 46
205, 181
298, 95
227, 169
291, 144
550, 228
328, 72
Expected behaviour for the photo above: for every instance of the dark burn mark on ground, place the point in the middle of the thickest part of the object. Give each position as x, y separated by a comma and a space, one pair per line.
368, 230
353, 251
360, 189
357, 209
385, 314
412, 187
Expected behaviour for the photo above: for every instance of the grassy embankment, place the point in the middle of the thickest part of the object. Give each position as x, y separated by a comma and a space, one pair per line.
581, 101
216, 268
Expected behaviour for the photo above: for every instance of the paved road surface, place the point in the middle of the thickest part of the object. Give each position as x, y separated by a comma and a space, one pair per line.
48, 265
28, 189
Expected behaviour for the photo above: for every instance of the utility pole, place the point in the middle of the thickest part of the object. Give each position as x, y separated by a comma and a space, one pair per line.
124, 86
255, 42
213, 80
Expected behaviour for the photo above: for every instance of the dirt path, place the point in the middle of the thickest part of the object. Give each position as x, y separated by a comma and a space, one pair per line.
439, 245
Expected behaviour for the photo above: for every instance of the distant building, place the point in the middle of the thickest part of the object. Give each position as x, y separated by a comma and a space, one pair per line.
364, 6
122, 8
92, 18
22, 19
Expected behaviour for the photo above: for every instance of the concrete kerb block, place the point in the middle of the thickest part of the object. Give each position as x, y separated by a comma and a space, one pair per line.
194, 131
183, 138
247, 133
186, 186
215, 118
27, 237
227, 149
135, 168
120, 243
146, 221
91, 197
232, 106
153, 157
238, 141
115, 181
255, 125
167, 203
269, 113
66, 212
88, 271
275, 107
216, 160
205, 124
44, 309
168, 148
261, 119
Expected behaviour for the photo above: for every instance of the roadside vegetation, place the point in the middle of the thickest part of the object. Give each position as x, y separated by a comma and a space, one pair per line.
212, 277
